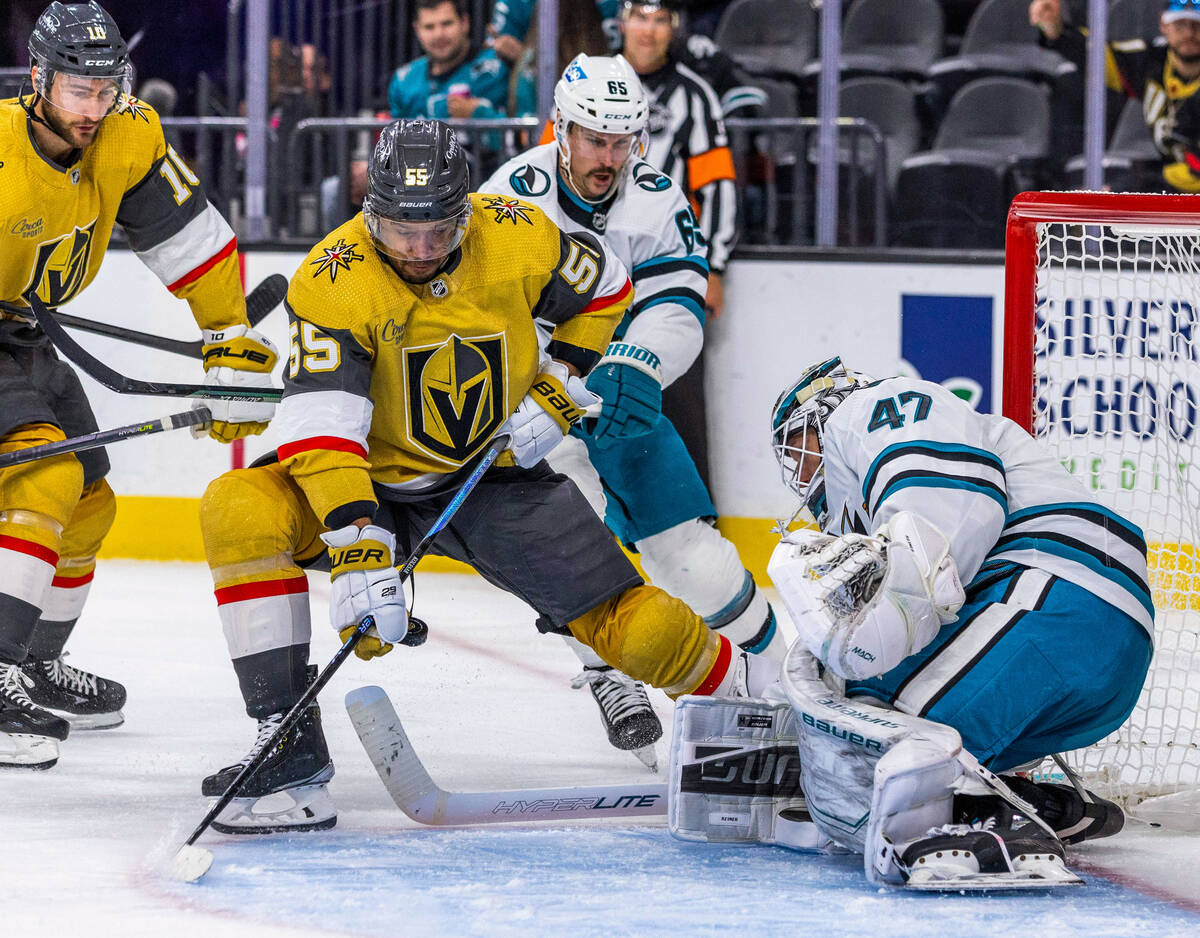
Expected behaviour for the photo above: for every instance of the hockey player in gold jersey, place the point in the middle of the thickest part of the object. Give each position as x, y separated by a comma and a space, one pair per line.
77, 155
413, 346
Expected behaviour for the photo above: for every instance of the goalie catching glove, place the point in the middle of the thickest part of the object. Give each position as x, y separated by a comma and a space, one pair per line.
863, 604
555, 403
363, 582
629, 381
237, 357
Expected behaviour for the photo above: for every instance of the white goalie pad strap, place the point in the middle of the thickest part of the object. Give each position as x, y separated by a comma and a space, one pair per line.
733, 768
864, 604
915, 783
842, 742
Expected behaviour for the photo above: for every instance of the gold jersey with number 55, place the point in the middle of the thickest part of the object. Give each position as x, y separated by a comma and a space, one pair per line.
401, 384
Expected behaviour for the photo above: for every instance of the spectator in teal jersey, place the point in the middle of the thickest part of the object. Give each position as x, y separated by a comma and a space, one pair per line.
452, 79
511, 20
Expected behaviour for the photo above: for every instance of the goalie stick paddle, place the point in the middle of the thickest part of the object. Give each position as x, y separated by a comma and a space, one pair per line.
259, 303
118, 382
77, 444
416, 793
190, 862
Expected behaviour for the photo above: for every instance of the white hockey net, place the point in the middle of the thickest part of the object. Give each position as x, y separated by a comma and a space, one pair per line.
1117, 397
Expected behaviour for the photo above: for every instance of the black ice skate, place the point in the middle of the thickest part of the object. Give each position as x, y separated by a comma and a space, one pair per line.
629, 720
1073, 817
959, 857
29, 735
288, 792
84, 700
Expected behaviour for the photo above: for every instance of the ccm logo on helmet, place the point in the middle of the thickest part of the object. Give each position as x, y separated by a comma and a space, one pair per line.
90, 62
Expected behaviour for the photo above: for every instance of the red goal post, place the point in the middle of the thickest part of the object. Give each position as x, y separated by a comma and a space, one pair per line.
1102, 363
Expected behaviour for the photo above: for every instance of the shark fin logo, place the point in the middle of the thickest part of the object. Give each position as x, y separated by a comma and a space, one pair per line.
60, 266
456, 394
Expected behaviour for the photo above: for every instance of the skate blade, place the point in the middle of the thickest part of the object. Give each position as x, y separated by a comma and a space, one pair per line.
26, 751
92, 721
190, 863
306, 808
648, 756
927, 881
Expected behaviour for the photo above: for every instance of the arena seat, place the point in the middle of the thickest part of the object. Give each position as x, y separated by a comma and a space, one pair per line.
992, 142
769, 37
901, 38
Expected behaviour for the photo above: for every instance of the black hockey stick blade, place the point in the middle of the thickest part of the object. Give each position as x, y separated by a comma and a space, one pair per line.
190, 348
115, 381
259, 303
77, 444
265, 297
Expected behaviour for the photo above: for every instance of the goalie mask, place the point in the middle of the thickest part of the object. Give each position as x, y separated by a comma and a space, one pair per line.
603, 96
82, 62
797, 425
417, 206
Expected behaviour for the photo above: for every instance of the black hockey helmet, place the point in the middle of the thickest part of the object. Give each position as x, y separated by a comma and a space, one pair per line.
79, 39
418, 177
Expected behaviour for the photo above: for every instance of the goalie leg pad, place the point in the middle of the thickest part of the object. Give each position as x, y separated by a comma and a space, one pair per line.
735, 774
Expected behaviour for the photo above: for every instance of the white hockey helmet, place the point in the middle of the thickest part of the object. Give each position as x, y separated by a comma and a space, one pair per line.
802, 410
602, 93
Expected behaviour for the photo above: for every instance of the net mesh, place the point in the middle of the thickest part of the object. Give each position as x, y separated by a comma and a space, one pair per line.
1117, 390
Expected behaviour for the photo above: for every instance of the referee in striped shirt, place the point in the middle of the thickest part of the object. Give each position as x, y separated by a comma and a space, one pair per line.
689, 144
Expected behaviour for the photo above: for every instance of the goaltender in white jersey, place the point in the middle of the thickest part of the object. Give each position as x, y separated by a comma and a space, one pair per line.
983, 612
592, 178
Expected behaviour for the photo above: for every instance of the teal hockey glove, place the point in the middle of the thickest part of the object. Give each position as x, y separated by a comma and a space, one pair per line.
629, 381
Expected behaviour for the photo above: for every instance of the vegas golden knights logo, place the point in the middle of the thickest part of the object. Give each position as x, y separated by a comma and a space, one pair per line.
456, 394
60, 266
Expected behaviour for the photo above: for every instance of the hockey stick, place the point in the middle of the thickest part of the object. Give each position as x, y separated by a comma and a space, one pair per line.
115, 381
77, 444
192, 862
261, 301
416, 793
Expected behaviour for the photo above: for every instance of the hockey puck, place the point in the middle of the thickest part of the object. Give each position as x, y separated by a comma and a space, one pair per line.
418, 631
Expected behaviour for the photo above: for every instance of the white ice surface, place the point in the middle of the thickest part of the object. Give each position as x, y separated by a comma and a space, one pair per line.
486, 701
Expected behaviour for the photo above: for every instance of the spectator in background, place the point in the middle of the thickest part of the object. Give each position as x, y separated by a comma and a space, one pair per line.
333, 212
315, 79
687, 143
1164, 75
687, 130
704, 16
514, 20
160, 95
452, 79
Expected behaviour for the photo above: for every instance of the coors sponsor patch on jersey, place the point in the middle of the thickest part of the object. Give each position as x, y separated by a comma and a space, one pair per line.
508, 209
60, 266
337, 257
456, 394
